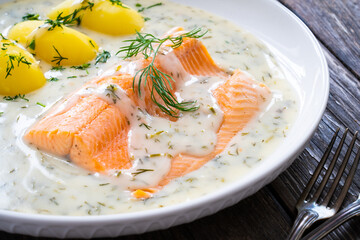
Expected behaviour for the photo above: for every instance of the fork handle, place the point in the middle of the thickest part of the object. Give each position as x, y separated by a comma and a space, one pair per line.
338, 219
303, 220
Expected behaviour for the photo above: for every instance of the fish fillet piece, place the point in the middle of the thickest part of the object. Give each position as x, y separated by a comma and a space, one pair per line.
241, 99
93, 132
194, 56
55, 132
102, 144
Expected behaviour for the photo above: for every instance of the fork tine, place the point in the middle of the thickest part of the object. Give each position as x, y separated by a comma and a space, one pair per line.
330, 168
318, 169
348, 180
340, 172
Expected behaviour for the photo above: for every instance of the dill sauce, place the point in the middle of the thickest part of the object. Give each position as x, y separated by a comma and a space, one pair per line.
35, 182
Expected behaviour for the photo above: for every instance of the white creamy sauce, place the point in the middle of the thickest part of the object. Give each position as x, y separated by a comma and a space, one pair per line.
36, 182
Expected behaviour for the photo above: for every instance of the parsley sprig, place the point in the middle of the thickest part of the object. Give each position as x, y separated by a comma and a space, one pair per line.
149, 45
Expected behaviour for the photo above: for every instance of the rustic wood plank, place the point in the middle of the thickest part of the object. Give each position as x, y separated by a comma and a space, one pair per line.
342, 110
257, 217
336, 24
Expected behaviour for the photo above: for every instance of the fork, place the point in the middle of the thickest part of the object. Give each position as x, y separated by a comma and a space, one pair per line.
352, 210
311, 209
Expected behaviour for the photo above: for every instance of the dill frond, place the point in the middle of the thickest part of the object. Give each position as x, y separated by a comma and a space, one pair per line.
161, 82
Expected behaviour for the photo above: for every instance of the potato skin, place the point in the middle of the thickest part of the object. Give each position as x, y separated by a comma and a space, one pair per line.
61, 46
19, 71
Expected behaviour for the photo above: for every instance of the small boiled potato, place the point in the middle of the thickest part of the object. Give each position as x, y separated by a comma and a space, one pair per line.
19, 71
112, 19
22, 30
65, 8
105, 16
64, 46
60, 46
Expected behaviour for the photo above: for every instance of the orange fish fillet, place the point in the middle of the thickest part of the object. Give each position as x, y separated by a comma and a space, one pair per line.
94, 132
194, 56
241, 99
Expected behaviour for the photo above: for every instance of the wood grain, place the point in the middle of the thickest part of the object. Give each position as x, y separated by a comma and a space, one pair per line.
342, 110
336, 24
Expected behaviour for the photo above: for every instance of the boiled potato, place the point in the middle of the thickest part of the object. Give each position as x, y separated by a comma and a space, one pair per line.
65, 8
19, 71
21, 31
104, 16
60, 46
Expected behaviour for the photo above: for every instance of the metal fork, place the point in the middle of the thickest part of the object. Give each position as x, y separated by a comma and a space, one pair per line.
352, 210
310, 209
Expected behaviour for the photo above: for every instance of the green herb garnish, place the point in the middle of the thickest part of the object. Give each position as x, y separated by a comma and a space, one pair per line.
141, 170
102, 57
32, 45
10, 98
82, 67
151, 6
31, 16
111, 93
53, 79
117, 2
2, 36
161, 82
145, 125
57, 59
58, 68
15, 60
103, 184
70, 19
40, 104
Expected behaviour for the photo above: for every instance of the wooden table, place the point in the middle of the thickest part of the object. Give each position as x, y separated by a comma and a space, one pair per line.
270, 213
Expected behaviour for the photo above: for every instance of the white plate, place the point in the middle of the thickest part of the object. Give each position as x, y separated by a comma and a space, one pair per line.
297, 50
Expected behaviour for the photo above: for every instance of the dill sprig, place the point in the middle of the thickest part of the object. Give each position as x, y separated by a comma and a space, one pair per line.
57, 59
141, 170
15, 60
145, 44
70, 19
2, 37
82, 67
12, 98
111, 89
31, 16
118, 3
102, 57
141, 9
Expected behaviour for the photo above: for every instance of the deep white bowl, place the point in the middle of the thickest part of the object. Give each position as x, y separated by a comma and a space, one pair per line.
297, 51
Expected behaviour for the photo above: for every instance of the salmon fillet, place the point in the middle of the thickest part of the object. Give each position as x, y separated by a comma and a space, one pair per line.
194, 56
92, 131
241, 99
